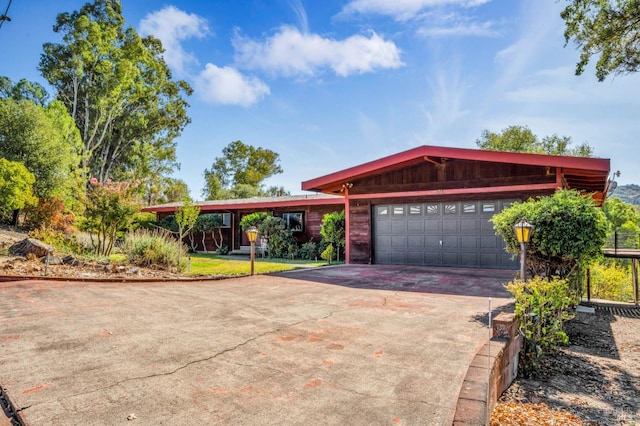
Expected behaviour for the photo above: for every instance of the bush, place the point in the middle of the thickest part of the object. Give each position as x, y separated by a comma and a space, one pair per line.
327, 254
154, 249
611, 280
49, 213
309, 251
542, 306
63, 243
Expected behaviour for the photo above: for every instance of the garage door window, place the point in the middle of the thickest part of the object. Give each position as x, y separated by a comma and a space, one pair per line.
432, 209
415, 209
469, 208
488, 207
398, 210
450, 208
382, 210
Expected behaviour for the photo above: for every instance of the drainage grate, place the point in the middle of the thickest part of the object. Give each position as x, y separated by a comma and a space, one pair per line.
9, 410
621, 311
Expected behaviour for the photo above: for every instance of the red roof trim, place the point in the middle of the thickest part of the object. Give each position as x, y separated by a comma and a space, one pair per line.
396, 160
212, 206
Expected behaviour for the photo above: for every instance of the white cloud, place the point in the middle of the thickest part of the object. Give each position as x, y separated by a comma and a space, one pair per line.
228, 86
290, 52
403, 10
461, 29
301, 15
172, 26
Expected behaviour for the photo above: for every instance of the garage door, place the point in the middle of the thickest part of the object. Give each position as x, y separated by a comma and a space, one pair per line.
457, 234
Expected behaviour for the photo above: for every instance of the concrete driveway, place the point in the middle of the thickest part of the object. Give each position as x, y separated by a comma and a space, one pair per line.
264, 350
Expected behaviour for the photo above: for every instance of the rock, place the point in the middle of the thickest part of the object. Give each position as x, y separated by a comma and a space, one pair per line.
30, 246
131, 416
53, 260
69, 259
134, 271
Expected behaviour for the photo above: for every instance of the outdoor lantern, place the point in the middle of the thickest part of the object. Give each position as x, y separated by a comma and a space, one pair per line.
523, 234
252, 234
523, 231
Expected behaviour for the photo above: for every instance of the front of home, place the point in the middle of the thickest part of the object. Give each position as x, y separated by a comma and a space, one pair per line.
426, 206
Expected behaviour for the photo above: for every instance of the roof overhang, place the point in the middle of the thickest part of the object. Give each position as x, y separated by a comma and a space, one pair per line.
254, 203
589, 175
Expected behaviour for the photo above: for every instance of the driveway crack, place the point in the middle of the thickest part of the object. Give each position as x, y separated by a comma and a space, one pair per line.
209, 358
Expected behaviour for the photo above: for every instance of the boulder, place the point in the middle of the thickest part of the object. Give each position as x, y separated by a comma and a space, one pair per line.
30, 246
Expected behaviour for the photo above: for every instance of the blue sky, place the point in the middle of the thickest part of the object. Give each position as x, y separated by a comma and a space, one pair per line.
332, 84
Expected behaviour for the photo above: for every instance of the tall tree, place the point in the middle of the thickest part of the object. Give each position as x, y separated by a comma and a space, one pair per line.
118, 90
609, 29
16, 184
46, 141
522, 139
241, 166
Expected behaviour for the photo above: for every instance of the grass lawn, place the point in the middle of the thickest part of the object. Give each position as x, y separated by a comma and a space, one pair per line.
212, 264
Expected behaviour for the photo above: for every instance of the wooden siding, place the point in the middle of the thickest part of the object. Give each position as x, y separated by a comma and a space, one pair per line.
453, 174
360, 232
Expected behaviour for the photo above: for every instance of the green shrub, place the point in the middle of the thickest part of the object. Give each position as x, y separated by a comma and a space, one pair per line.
327, 254
309, 250
63, 243
154, 249
223, 250
542, 306
612, 280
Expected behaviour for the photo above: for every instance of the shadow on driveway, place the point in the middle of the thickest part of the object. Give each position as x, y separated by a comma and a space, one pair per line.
420, 279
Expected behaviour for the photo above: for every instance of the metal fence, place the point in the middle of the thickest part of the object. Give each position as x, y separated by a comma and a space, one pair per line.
623, 240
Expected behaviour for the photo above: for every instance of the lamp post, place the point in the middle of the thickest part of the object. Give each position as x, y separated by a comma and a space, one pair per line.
523, 235
252, 234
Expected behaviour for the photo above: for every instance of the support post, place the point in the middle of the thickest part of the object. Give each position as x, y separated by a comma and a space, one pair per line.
634, 271
588, 284
523, 259
253, 255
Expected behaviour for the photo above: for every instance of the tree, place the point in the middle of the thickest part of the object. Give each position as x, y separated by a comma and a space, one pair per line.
24, 89
162, 189
16, 183
333, 230
240, 165
46, 141
610, 29
522, 139
186, 217
618, 213
570, 232
118, 90
111, 207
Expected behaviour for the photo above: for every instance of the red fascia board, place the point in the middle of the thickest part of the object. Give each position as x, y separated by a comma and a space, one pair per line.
419, 153
253, 206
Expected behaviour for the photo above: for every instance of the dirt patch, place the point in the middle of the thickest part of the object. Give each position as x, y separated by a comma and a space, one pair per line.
596, 378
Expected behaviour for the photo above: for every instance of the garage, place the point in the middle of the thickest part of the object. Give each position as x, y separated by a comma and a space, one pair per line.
455, 234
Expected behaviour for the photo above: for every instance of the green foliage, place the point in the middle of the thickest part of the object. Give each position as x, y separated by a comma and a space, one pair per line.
154, 249
542, 306
211, 223
143, 220
240, 172
522, 139
169, 223
327, 253
252, 219
309, 250
110, 207
612, 280
605, 28
16, 183
23, 89
119, 92
280, 240
186, 217
61, 241
619, 213
333, 231
47, 142
569, 232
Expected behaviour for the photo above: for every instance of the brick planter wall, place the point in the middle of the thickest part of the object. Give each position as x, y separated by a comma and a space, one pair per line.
493, 369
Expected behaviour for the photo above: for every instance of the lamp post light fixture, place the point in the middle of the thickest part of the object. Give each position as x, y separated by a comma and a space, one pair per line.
252, 234
523, 235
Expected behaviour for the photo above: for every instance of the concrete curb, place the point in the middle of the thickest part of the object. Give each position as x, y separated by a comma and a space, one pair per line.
13, 278
492, 370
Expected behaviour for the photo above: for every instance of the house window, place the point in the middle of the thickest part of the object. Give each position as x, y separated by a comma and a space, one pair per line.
295, 221
223, 218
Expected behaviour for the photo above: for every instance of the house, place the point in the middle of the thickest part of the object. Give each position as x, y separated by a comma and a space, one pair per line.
428, 205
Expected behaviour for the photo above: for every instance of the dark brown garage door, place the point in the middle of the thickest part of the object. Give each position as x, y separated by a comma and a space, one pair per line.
456, 233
